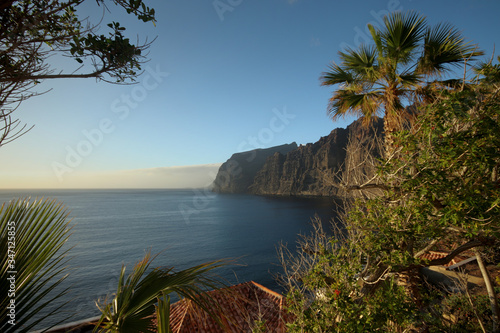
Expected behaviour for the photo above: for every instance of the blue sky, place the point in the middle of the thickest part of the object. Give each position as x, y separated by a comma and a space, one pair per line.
224, 76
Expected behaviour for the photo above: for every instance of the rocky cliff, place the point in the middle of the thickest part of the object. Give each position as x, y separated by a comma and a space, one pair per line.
237, 174
315, 169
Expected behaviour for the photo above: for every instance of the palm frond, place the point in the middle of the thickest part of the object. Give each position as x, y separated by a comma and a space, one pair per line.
336, 75
402, 35
358, 67
37, 231
409, 80
347, 102
444, 45
361, 61
134, 302
163, 314
377, 39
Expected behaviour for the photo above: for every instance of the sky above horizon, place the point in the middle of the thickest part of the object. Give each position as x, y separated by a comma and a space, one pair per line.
224, 76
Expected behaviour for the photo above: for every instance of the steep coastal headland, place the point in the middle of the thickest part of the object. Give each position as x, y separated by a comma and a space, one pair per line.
314, 169
237, 174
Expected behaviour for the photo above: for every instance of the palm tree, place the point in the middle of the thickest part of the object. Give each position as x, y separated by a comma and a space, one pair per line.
32, 235
489, 74
380, 79
141, 295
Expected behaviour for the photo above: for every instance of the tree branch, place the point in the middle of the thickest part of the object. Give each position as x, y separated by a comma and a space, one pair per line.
427, 248
95, 74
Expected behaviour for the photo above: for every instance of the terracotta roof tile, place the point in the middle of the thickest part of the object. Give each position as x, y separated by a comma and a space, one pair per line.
243, 305
431, 255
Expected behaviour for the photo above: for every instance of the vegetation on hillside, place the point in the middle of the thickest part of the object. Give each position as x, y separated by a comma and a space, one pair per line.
440, 190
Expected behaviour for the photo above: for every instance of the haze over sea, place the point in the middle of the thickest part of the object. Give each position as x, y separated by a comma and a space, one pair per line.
188, 227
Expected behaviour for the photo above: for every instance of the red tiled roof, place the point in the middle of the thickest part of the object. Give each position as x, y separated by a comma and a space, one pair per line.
431, 255
243, 305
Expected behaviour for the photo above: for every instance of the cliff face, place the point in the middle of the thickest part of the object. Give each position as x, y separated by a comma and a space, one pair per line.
237, 174
308, 170
311, 170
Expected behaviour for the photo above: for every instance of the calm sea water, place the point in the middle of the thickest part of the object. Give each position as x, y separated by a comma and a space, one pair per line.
187, 228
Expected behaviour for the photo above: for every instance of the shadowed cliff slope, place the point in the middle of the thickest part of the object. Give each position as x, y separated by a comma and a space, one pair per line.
314, 169
237, 174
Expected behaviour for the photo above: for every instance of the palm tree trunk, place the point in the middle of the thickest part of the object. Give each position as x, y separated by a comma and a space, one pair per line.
390, 128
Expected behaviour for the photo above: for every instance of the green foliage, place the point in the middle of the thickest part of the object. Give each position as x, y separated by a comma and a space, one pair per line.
259, 326
441, 186
32, 234
444, 182
461, 314
447, 167
326, 294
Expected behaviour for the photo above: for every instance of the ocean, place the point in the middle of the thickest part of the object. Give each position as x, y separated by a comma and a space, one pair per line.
186, 228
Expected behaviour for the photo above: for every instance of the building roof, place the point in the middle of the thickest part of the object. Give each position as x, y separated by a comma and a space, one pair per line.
431, 255
244, 306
